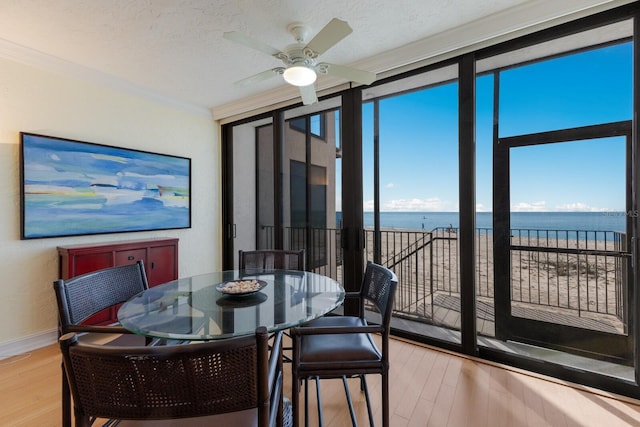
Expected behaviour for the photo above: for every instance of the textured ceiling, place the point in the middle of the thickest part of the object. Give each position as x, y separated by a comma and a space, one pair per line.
174, 48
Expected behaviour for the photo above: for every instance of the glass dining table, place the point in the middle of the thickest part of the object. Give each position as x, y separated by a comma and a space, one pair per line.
231, 303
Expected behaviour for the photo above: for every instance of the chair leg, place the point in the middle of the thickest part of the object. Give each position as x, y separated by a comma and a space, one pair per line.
354, 422
295, 398
66, 400
306, 402
320, 418
82, 420
363, 387
385, 399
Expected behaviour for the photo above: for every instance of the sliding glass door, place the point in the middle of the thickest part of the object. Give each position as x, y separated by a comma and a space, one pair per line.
559, 280
570, 276
285, 191
311, 190
249, 194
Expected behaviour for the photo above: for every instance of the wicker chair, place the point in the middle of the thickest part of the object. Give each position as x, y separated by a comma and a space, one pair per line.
263, 260
81, 297
342, 346
232, 382
271, 259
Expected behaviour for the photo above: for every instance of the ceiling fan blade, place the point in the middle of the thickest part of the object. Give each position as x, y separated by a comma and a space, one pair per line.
351, 74
308, 94
258, 77
331, 34
250, 42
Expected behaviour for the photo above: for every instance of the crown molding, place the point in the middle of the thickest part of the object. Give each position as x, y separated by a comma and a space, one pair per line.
46, 62
508, 24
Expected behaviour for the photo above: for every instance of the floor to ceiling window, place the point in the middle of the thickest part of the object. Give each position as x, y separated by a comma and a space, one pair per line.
285, 191
310, 221
411, 202
509, 220
557, 118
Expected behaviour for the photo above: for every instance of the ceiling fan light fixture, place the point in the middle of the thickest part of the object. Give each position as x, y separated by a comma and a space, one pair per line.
299, 75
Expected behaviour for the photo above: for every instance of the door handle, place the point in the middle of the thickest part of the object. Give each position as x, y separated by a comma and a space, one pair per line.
232, 231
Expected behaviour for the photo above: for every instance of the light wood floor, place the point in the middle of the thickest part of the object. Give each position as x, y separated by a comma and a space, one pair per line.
428, 388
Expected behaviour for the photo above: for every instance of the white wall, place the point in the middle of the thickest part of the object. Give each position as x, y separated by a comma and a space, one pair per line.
38, 101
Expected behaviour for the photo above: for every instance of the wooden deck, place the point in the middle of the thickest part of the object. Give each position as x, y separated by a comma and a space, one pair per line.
445, 312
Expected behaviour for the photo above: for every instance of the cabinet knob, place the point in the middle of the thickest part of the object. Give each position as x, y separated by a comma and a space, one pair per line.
131, 258
153, 264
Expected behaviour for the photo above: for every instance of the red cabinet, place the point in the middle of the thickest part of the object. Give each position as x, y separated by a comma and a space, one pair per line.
160, 257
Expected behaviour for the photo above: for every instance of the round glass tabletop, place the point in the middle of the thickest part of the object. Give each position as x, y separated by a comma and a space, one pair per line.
230, 303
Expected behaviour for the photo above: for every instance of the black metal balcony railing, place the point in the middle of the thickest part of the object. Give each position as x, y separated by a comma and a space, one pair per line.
577, 273
585, 271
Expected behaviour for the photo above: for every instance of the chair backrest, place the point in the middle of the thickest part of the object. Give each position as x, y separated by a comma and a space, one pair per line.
379, 287
271, 259
83, 296
169, 382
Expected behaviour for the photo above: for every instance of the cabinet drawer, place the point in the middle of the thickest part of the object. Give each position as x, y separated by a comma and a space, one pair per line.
131, 256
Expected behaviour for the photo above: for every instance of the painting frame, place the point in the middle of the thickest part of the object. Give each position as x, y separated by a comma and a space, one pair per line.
75, 188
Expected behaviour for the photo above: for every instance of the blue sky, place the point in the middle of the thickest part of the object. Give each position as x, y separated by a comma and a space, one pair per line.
419, 134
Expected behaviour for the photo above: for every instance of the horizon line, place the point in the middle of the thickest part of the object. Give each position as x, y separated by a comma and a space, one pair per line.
629, 212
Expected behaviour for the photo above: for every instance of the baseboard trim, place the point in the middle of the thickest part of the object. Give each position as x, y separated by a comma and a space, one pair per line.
28, 343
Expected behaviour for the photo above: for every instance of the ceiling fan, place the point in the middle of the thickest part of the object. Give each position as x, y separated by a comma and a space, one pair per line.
301, 60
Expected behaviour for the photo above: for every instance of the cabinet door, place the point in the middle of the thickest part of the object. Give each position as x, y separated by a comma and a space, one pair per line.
161, 264
86, 263
90, 262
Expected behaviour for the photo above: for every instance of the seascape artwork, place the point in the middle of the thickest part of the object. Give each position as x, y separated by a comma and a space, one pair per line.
77, 188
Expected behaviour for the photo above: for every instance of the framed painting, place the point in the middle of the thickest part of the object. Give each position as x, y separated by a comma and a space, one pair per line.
71, 188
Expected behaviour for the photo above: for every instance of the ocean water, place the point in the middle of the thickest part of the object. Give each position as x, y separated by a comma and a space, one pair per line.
583, 221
